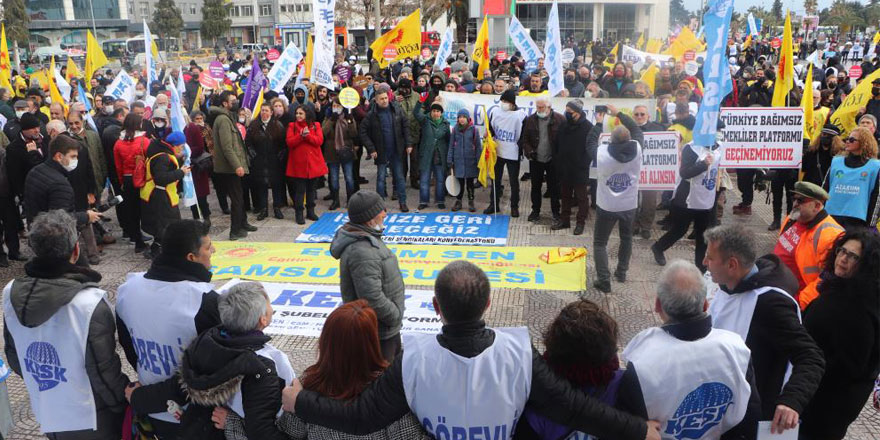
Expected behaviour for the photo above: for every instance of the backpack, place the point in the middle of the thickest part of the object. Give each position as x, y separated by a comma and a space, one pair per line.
139, 176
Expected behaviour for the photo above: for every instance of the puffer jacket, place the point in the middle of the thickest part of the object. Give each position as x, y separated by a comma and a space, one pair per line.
349, 136
46, 189
368, 270
464, 151
49, 285
229, 153
572, 162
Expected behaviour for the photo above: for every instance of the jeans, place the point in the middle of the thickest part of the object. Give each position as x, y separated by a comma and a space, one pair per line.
538, 170
397, 179
680, 220
425, 185
745, 182
647, 210
231, 184
605, 221
347, 172
512, 177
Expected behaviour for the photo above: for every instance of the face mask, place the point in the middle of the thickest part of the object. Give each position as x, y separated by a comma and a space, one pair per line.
875, 91
195, 77
300, 99
241, 119
140, 93
337, 110
158, 124
108, 110
19, 114
832, 85
543, 115
569, 79
569, 117
278, 111
506, 106
719, 136
379, 228
200, 123
72, 165
419, 89
795, 214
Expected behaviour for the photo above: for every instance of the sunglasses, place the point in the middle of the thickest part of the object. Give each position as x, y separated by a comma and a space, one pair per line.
640, 114
850, 139
799, 200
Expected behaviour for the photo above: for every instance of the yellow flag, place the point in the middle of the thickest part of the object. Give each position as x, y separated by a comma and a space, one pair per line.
649, 75
155, 50
72, 70
785, 70
405, 39
844, 116
257, 105
198, 98
614, 51
481, 48
877, 37
5, 64
641, 41
53, 89
807, 104
748, 42
310, 54
41, 78
685, 41
654, 45
489, 155
95, 58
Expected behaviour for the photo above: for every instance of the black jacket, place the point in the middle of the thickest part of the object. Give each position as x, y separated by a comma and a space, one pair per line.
652, 126
263, 145
777, 337
845, 322
370, 131
384, 401
20, 161
47, 188
82, 179
158, 212
572, 161
530, 137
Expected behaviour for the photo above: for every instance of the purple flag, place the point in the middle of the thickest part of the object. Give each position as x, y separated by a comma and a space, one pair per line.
256, 80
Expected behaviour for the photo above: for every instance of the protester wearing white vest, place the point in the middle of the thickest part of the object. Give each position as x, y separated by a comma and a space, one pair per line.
59, 335
158, 313
448, 379
617, 193
754, 300
695, 380
506, 123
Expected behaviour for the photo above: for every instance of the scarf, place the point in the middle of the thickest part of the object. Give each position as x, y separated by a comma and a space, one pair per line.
339, 133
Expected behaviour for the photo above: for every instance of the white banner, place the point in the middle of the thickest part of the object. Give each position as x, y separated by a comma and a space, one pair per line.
753, 27
756, 137
121, 87
301, 309
639, 58
444, 50
285, 67
553, 53
63, 86
325, 47
524, 42
152, 71
660, 156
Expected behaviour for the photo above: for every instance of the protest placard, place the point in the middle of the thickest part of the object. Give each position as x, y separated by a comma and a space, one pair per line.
762, 137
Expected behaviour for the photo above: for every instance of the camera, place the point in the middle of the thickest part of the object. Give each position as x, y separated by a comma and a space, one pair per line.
110, 203
601, 109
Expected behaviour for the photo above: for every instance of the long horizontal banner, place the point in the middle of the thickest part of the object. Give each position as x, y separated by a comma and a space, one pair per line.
760, 137
413, 228
638, 58
301, 309
511, 267
475, 103
660, 155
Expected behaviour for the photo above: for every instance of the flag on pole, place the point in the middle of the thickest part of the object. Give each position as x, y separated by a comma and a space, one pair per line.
181, 84
807, 105
753, 27
152, 73
95, 58
256, 110
489, 155
717, 77
81, 93
480, 54
654, 45
72, 71
748, 42
178, 123
785, 70
198, 98
256, 81
444, 50
5, 64
649, 75
53, 88
641, 41
63, 86
310, 55
553, 53
405, 38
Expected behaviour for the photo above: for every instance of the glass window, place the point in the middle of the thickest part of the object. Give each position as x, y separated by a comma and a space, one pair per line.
145, 9
234, 11
620, 21
307, 8
299, 8
265, 10
575, 19
247, 11
45, 9
104, 9
192, 9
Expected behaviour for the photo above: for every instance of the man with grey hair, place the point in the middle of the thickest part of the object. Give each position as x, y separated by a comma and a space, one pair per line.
716, 393
537, 141
75, 383
619, 165
755, 299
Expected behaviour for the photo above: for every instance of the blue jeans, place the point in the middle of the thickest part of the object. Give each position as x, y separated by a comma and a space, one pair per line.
425, 185
397, 179
347, 172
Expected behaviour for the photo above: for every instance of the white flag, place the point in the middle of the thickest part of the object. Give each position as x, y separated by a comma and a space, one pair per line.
524, 42
152, 74
284, 67
63, 86
553, 53
753, 27
444, 50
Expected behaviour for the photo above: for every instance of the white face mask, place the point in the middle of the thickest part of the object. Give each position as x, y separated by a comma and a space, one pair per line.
506, 106
241, 119
108, 110
140, 93
72, 165
379, 228
19, 114
543, 115
158, 124
337, 110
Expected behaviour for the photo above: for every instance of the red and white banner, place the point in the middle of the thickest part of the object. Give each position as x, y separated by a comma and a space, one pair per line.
761, 137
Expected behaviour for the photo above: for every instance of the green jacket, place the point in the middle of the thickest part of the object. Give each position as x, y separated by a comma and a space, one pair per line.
229, 152
96, 155
407, 105
435, 137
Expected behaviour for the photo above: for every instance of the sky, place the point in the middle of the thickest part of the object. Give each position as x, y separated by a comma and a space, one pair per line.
743, 5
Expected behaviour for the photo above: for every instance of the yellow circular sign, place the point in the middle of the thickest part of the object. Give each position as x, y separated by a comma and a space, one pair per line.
349, 98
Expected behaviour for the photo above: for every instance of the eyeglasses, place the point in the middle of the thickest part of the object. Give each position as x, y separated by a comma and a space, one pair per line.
640, 114
799, 200
851, 256
850, 139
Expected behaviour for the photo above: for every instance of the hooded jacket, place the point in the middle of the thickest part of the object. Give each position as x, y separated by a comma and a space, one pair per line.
47, 286
777, 337
368, 270
229, 153
622, 152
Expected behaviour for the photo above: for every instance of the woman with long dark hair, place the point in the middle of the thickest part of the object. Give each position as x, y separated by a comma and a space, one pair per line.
133, 143
263, 139
305, 162
844, 320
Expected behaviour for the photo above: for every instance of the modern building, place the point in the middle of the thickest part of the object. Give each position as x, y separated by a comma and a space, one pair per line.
190, 11
57, 22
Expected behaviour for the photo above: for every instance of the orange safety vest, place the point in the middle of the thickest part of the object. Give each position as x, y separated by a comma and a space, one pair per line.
810, 255
170, 189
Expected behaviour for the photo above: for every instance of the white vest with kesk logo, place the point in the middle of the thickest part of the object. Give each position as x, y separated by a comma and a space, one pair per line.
282, 368
618, 188
160, 317
507, 128
456, 397
704, 185
695, 389
53, 362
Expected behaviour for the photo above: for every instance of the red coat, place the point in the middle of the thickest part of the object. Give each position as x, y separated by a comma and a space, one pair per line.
305, 160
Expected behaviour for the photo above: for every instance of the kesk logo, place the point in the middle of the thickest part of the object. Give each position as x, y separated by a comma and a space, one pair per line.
709, 179
618, 182
701, 410
42, 362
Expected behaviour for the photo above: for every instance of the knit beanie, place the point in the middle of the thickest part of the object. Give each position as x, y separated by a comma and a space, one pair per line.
364, 205
576, 105
509, 96
29, 121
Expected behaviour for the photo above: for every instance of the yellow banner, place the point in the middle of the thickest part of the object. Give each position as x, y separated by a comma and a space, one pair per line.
405, 39
511, 267
480, 55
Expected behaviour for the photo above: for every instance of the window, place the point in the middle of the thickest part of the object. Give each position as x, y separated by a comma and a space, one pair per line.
45, 9
145, 9
282, 8
265, 10
620, 21
192, 9
307, 8
298, 8
247, 11
234, 11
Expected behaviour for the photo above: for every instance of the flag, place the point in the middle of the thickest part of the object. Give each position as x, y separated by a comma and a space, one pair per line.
405, 38
181, 84
95, 58
524, 43
748, 42
845, 115
152, 73
88, 106
717, 75
553, 53
53, 88
256, 81
753, 27
654, 45
481, 48
198, 98
72, 70
876, 37
178, 123
649, 75
785, 70
641, 41
512, 11
444, 50
310, 55
807, 105
685, 41
256, 110
5, 64
488, 156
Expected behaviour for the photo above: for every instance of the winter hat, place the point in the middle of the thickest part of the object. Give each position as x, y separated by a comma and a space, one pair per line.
464, 112
509, 96
831, 129
405, 83
29, 121
576, 105
436, 106
364, 205
159, 113
175, 138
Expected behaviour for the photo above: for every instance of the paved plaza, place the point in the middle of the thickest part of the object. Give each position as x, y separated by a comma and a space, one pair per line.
631, 304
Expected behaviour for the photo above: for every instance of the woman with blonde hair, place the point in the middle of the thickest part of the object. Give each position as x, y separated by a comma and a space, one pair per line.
852, 181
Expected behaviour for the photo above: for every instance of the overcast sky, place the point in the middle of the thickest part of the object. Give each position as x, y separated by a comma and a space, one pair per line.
743, 5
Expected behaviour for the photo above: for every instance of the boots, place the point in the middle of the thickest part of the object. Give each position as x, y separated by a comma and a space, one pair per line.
263, 214
457, 206
471, 206
278, 214
299, 217
310, 214
335, 204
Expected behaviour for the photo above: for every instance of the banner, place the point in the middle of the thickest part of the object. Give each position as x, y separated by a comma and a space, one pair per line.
639, 58
285, 67
444, 50
523, 42
553, 53
301, 309
716, 77
753, 27
660, 157
152, 71
121, 87
433, 228
762, 137
509, 267
325, 46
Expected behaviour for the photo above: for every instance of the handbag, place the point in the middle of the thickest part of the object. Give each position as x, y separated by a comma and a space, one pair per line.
139, 176
204, 162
